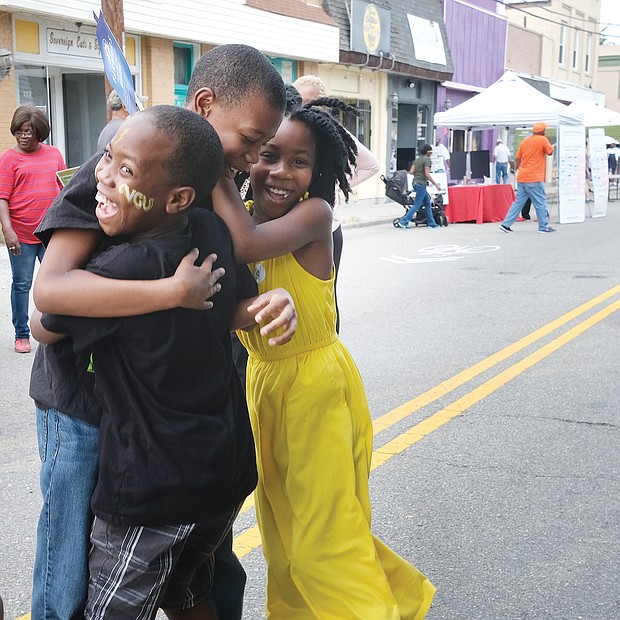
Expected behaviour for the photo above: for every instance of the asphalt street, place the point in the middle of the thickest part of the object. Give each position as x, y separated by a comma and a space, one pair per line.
491, 365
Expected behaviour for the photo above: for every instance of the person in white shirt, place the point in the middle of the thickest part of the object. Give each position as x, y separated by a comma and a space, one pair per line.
501, 157
613, 157
440, 157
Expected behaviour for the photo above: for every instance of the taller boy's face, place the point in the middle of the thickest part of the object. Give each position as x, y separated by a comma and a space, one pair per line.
133, 185
242, 129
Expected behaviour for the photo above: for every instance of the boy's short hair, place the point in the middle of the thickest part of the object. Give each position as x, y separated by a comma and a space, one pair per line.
235, 72
197, 158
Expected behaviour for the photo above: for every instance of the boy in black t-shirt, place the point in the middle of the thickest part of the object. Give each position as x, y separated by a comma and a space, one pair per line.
176, 451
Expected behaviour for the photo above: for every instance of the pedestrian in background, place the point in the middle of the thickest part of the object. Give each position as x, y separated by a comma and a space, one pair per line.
441, 157
28, 185
613, 157
501, 157
531, 169
421, 178
118, 114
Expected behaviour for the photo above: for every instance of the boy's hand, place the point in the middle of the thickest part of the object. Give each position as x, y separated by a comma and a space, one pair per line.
196, 284
278, 306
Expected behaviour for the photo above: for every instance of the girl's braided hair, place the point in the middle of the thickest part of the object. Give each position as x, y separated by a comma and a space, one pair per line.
335, 148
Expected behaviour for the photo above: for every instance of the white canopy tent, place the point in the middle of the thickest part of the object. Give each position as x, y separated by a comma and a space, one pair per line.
509, 102
595, 115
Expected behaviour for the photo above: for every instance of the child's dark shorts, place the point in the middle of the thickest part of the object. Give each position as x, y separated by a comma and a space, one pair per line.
134, 570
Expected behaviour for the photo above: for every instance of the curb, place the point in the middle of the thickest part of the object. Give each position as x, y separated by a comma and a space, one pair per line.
365, 223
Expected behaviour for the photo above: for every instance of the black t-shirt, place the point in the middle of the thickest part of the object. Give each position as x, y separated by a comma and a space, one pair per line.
59, 378
175, 440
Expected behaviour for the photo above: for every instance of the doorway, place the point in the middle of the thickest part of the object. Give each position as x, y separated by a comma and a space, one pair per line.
74, 102
84, 114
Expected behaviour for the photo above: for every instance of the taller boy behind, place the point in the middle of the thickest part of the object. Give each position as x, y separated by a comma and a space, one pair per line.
177, 457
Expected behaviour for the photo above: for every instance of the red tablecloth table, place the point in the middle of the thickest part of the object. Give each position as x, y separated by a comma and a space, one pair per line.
479, 203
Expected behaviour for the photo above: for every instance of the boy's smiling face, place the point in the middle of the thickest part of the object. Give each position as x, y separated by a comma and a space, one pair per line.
133, 184
243, 128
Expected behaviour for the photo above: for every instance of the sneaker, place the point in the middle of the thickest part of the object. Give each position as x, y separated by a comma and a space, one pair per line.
22, 345
506, 229
546, 230
400, 224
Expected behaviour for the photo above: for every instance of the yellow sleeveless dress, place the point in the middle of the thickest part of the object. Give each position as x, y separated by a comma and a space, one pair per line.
313, 436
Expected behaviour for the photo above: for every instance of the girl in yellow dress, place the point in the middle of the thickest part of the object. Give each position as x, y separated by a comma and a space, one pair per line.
309, 412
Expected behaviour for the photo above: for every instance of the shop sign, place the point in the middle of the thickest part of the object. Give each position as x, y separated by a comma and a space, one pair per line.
370, 28
69, 43
427, 40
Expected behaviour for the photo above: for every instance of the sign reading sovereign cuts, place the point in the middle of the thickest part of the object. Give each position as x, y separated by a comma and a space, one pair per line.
115, 65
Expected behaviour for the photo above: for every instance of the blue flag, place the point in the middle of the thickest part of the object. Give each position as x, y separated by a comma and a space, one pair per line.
115, 64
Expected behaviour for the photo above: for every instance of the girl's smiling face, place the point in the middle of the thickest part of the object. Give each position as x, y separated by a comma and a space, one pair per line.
133, 187
284, 170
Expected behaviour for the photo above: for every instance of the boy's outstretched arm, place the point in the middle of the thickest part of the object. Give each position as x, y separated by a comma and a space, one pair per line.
63, 286
277, 307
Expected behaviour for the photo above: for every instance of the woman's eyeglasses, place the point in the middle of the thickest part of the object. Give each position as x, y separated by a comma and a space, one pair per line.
24, 134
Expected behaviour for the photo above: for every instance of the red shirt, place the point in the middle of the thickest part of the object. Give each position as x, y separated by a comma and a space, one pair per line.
28, 182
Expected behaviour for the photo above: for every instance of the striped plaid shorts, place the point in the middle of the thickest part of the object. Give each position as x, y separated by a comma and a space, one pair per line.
134, 570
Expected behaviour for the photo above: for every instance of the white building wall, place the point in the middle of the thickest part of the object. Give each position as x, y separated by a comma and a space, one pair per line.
581, 18
205, 21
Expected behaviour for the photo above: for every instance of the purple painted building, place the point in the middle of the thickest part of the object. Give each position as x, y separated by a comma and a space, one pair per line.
477, 38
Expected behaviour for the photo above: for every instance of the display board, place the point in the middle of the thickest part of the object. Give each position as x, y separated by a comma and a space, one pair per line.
599, 170
480, 164
458, 165
572, 173
441, 178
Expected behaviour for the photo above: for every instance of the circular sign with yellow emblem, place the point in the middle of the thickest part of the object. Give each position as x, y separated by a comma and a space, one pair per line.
371, 28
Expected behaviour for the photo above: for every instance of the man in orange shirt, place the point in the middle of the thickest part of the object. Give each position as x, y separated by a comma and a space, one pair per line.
530, 162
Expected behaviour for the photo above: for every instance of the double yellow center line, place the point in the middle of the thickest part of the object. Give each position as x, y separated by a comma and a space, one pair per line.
249, 539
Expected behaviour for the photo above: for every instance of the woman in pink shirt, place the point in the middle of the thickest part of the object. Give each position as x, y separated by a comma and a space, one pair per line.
28, 185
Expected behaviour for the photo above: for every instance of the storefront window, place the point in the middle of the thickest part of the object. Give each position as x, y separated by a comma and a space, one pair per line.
359, 126
183, 65
32, 87
422, 125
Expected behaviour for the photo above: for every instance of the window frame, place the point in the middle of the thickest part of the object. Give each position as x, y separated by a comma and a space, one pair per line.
359, 126
562, 43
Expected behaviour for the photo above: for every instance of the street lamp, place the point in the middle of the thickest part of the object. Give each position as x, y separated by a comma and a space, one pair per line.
447, 104
394, 98
6, 62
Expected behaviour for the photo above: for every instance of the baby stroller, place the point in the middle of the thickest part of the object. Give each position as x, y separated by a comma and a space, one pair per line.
395, 189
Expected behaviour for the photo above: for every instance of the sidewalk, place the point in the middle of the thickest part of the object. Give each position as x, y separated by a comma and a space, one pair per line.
369, 212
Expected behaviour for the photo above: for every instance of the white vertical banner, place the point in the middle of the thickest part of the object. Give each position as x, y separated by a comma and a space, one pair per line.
441, 178
600, 170
572, 173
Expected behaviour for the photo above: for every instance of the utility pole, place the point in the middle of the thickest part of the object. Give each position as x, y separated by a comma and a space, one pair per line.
114, 15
